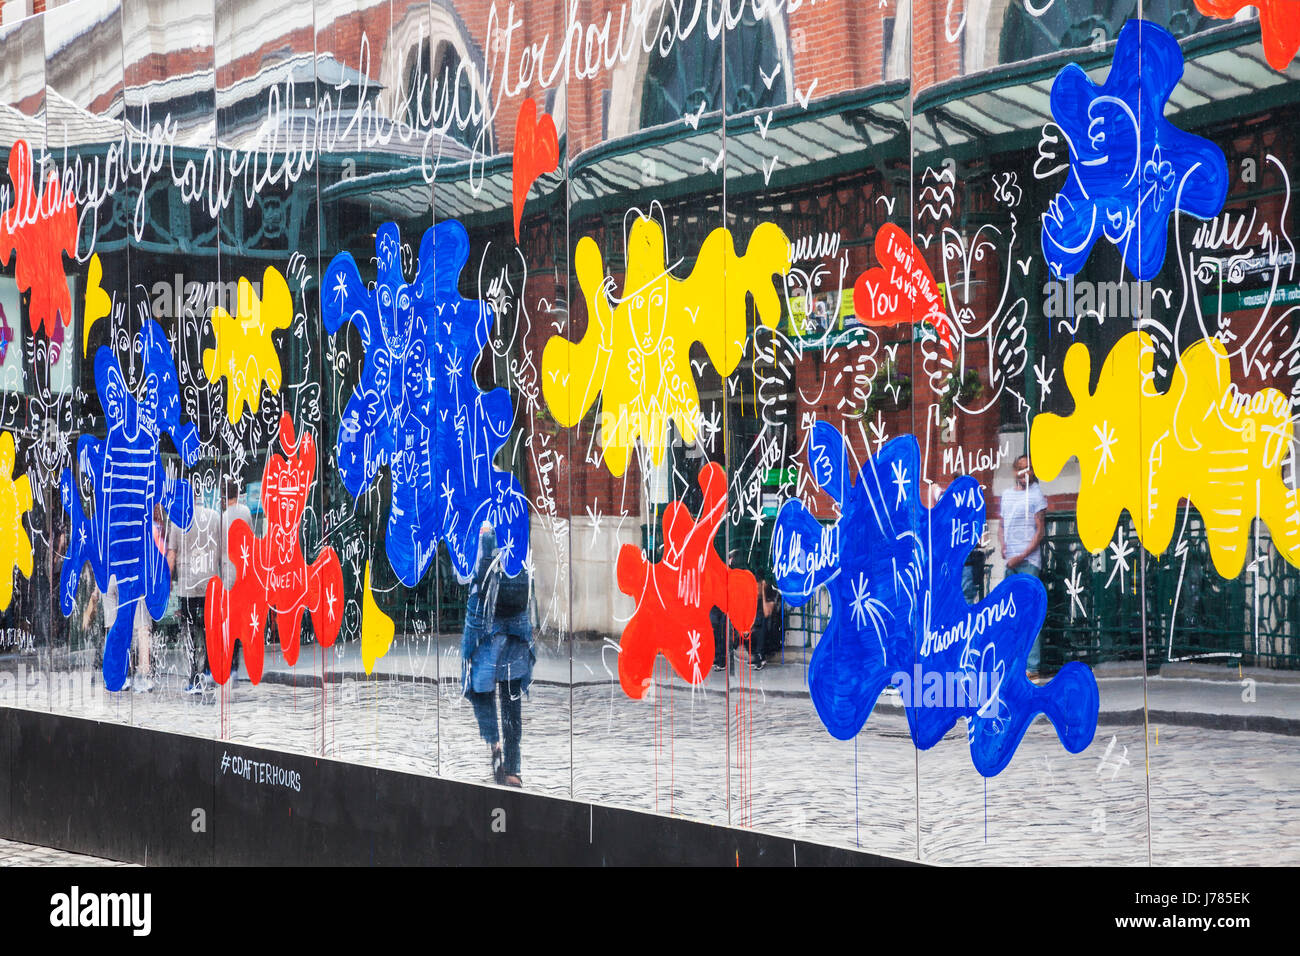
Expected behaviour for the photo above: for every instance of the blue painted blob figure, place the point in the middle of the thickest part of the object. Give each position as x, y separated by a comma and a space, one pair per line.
1130, 168
899, 619
124, 478
417, 409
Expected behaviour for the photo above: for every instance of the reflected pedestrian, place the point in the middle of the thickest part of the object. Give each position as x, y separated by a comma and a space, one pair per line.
195, 554
143, 624
497, 656
768, 635
1021, 532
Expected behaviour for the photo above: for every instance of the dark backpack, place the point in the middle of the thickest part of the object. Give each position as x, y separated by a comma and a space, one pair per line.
503, 596
512, 593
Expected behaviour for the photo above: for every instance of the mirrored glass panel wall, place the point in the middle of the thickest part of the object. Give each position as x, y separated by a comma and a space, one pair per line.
872, 423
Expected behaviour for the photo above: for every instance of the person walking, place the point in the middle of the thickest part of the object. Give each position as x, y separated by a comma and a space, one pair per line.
143, 624
196, 556
768, 636
1020, 533
497, 656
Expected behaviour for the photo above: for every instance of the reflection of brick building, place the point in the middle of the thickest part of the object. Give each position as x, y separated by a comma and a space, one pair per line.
819, 119
634, 110
839, 47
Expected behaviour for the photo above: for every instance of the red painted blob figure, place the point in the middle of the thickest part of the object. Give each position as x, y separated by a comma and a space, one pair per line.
537, 152
271, 572
39, 228
674, 596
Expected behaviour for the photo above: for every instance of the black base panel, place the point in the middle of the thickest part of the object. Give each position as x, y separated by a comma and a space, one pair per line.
6, 778
151, 797
108, 790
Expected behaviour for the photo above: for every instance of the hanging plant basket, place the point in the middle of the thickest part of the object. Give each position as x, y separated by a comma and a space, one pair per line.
891, 391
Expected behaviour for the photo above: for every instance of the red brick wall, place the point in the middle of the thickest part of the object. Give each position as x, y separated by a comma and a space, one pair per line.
934, 58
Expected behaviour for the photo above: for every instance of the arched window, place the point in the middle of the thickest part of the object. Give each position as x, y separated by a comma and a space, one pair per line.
691, 74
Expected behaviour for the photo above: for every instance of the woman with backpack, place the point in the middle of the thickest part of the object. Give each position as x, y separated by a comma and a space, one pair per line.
497, 656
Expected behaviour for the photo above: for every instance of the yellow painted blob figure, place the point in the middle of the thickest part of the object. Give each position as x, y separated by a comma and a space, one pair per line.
15, 501
636, 351
245, 354
98, 302
377, 628
1204, 440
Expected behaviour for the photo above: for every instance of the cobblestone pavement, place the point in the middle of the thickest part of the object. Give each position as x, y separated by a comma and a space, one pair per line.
1216, 796
27, 854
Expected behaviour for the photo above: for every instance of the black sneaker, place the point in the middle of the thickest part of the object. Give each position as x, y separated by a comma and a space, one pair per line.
759, 663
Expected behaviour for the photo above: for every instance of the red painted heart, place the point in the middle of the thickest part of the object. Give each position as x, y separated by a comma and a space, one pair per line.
537, 151
901, 289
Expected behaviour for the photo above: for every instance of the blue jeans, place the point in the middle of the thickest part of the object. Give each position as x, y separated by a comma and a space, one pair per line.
1035, 652
494, 650
512, 719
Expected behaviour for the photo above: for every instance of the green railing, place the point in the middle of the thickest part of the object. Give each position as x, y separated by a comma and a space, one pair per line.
1095, 603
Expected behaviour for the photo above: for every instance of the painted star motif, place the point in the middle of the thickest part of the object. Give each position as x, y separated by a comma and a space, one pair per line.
878, 436
860, 597
1044, 379
1105, 444
1130, 168
693, 655
1121, 551
447, 492
900, 481
1074, 588
710, 425
867, 609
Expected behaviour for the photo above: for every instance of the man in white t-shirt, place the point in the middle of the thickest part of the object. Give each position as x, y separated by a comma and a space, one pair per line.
196, 555
1021, 532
